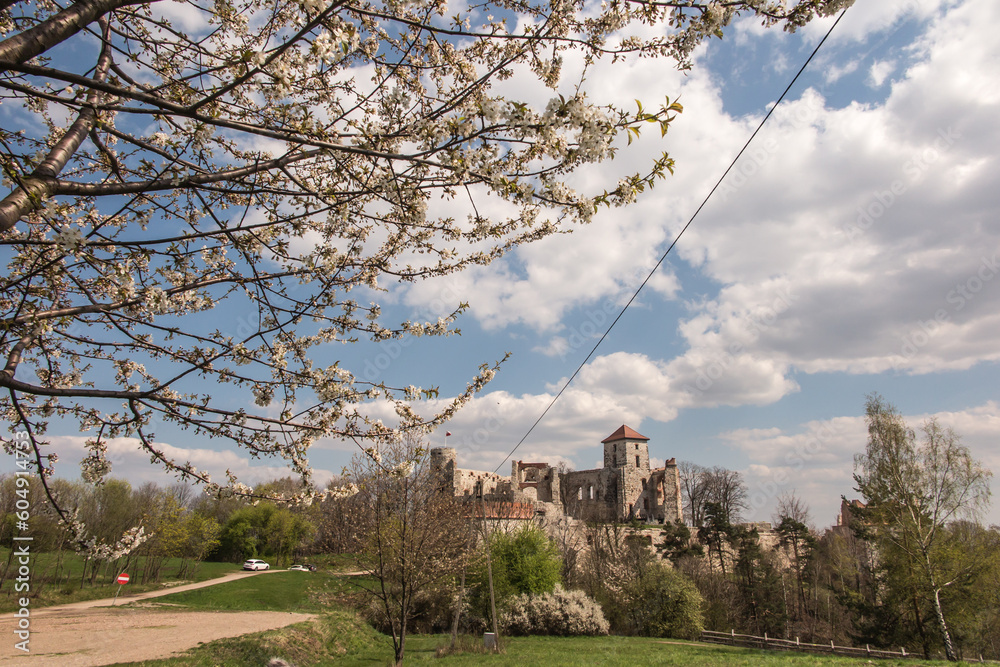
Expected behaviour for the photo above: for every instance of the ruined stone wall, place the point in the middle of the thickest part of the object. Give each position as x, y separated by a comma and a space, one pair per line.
663, 495
536, 481
614, 493
631, 492
494, 485
590, 494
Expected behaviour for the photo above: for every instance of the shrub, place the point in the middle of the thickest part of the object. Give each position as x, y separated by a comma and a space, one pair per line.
660, 602
525, 562
560, 612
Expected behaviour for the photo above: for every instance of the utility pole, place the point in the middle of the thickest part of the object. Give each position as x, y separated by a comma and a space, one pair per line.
489, 565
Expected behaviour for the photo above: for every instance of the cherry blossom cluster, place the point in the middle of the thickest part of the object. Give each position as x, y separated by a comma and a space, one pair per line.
198, 212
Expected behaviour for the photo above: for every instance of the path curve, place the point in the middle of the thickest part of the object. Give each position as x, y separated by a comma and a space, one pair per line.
126, 598
91, 633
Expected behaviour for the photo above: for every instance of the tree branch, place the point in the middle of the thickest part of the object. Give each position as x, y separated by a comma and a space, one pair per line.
39, 186
37, 40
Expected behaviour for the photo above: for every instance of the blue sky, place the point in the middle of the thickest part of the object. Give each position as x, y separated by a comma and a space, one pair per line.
854, 249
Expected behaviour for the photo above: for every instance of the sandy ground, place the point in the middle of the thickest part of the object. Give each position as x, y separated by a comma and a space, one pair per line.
95, 633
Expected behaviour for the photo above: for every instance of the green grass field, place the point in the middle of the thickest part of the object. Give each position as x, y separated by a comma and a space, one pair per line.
305, 592
340, 637
55, 579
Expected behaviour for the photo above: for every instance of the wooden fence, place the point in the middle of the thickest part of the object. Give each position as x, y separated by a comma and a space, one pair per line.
774, 644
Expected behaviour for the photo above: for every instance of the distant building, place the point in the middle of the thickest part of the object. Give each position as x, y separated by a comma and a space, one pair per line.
623, 489
846, 515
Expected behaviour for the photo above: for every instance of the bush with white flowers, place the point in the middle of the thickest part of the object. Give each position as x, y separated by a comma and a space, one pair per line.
560, 612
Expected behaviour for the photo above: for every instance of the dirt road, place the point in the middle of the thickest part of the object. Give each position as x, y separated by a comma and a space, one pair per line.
95, 633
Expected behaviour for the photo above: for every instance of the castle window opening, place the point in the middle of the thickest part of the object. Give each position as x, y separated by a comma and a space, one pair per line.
636, 459
591, 491
579, 493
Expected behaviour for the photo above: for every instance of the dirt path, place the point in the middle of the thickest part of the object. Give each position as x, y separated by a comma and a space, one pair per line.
93, 633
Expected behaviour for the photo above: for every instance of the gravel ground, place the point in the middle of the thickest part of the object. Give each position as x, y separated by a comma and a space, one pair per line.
95, 633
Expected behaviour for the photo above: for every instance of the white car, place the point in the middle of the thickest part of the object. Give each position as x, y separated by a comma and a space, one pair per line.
254, 564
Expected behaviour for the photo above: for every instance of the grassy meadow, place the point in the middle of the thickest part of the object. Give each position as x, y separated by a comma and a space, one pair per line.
56, 578
339, 636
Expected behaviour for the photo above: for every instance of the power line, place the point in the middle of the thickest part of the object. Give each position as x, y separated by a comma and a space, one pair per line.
677, 238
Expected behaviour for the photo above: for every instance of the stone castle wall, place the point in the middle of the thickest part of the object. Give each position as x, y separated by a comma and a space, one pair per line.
625, 488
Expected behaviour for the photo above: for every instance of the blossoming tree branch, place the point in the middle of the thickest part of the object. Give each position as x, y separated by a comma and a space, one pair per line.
164, 161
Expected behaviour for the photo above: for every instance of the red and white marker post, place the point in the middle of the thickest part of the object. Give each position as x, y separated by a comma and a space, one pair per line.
122, 580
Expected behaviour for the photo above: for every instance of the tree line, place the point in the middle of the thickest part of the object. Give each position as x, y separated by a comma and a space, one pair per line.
143, 528
913, 566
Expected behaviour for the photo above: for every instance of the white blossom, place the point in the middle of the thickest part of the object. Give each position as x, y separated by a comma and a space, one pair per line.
70, 239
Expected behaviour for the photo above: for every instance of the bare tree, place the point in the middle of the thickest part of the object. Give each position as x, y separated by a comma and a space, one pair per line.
789, 505
727, 488
415, 537
700, 485
693, 491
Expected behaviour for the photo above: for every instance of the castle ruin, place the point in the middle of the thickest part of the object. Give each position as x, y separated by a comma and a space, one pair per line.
624, 489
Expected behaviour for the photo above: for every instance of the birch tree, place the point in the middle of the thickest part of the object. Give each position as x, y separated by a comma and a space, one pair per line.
913, 491
167, 165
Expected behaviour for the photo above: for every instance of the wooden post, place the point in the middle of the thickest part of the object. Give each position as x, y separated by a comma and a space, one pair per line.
796, 639
458, 611
489, 567
903, 649
831, 646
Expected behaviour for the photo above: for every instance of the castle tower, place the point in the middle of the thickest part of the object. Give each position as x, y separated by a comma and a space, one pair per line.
626, 448
443, 463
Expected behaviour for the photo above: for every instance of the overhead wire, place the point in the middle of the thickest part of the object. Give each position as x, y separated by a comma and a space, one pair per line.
677, 238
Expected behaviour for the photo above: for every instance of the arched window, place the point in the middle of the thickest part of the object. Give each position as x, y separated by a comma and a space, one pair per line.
579, 493
591, 491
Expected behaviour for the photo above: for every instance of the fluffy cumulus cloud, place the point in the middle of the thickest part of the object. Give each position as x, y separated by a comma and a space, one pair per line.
129, 461
868, 235
857, 238
816, 460
493, 428
853, 237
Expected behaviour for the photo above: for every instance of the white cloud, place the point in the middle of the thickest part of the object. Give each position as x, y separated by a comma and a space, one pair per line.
876, 218
130, 461
835, 245
877, 221
880, 71
816, 460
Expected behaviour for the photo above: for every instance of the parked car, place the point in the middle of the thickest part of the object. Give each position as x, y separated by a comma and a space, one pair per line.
303, 568
254, 564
